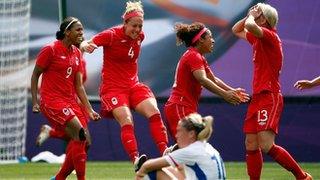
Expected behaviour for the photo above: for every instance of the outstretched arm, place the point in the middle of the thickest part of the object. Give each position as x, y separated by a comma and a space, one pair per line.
228, 95
306, 84
88, 46
244, 97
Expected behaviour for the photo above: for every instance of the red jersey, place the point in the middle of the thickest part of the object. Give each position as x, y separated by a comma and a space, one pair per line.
60, 66
186, 89
120, 56
267, 60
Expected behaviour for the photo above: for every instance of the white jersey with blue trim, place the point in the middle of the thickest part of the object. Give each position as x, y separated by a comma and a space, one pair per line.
200, 160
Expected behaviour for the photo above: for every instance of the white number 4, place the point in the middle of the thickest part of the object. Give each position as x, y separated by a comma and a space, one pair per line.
131, 52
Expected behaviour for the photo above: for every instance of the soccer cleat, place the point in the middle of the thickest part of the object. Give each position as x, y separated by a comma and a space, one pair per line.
308, 177
170, 149
43, 135
138, 162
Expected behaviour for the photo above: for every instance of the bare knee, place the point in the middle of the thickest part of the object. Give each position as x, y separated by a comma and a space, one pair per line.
251, 142
266, 140
122, 115
125, 121
265, 146
251, 145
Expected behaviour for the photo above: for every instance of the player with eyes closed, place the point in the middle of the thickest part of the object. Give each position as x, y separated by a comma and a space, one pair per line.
120, 89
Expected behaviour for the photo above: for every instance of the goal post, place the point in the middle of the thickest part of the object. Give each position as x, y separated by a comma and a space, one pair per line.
14, 37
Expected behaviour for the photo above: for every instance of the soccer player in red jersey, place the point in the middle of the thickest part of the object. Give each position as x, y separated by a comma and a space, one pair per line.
307, 84
263, 115
60, 66
46, 131
193, 73
120, 89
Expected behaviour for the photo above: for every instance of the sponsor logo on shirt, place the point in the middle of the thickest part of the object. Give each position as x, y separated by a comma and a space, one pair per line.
63, 57
123, 41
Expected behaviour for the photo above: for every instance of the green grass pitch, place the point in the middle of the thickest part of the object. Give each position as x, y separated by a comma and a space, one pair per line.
124, 170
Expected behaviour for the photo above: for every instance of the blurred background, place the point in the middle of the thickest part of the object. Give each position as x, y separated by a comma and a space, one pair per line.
231, 61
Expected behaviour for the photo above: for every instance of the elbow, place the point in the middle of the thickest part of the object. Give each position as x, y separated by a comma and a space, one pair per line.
202, 81
234, 30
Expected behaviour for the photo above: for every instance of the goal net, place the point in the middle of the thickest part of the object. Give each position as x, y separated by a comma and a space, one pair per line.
14, 36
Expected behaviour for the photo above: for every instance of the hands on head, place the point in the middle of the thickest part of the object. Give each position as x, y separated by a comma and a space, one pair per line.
255, 11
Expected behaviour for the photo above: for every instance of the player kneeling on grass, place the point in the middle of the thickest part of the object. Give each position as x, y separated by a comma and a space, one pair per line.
195, 158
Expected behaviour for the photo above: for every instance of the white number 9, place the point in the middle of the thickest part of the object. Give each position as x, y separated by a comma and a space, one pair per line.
69, 72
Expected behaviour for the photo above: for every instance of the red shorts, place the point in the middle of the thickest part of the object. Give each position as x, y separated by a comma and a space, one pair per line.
117, 97
264, 112
173, 113
60, 113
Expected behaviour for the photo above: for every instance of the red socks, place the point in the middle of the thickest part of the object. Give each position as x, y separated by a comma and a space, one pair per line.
129, 141
76, 158
254, 164
67, 166
158, 132
282, 157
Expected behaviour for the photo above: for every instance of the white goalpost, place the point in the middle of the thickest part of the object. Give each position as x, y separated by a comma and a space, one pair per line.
14, 37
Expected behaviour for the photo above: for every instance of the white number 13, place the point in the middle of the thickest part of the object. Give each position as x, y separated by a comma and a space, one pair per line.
262, 116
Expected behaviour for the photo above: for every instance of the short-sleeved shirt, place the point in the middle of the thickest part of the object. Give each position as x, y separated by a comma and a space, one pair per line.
60, 66
186, 89
200, 161
120, 56
267, 60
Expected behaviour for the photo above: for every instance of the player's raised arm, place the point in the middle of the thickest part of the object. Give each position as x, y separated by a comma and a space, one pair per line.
307, 84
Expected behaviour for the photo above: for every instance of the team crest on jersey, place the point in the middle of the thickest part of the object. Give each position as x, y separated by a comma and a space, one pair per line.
66, 111
114, 101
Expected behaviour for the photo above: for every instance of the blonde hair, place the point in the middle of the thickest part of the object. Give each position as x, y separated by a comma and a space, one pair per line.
201, 125
133, 6
270, 13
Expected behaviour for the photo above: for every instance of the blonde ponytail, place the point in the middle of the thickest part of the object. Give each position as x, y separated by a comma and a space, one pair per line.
205, 134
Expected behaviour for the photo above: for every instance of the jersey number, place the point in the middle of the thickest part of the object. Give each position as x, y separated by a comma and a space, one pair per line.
131, 52
262, 116
69, 72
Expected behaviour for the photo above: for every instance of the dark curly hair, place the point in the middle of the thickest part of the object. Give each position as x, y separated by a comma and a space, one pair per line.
186, 32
